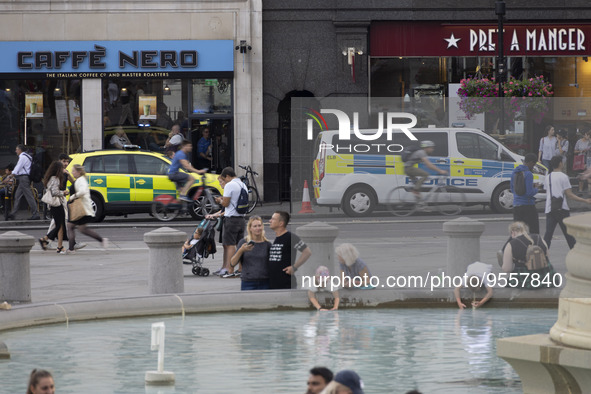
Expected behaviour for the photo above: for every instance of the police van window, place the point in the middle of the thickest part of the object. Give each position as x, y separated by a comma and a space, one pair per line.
383, 146
440, 140
475, 146
149, 165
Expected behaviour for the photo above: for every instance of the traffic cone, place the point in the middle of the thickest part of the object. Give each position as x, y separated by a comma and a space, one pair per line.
306, 205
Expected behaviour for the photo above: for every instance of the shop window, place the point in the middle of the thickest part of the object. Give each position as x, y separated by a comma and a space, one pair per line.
146, 108
212, 96
44, 115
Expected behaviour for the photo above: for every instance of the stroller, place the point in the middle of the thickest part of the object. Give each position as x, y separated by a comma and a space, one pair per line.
204, 248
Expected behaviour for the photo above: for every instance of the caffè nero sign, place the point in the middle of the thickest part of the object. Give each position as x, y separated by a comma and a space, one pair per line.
92, 59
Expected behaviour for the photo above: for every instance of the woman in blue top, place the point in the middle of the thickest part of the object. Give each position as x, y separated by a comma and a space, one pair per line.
352, 267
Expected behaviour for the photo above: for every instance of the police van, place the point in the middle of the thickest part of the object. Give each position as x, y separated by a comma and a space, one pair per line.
358, 174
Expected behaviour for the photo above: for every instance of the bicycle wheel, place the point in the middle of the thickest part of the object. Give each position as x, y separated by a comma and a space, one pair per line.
450, 200
163, 212
205, 205
401, 201
253, 198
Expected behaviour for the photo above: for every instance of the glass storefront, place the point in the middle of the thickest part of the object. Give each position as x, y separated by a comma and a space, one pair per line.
147, 109
44, 115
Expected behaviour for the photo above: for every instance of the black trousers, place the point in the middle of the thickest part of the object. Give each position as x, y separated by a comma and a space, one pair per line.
556, 218
529, 215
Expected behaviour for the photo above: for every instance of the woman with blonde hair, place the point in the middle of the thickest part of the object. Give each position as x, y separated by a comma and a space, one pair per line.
40, 382
253, 252
515, 256
80, 190
352, 266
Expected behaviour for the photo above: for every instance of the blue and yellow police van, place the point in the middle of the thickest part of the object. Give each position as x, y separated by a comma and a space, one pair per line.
358, 174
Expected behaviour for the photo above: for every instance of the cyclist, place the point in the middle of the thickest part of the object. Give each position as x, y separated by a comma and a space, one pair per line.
421, 156
181, 160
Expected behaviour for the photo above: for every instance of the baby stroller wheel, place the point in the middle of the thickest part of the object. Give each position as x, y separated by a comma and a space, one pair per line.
196, 271
205, 272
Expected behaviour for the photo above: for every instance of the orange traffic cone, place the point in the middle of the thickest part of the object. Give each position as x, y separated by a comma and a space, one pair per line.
306, 205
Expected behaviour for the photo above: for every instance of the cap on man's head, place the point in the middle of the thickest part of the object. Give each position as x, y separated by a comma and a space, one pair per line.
427, 144
530, 158
350, 379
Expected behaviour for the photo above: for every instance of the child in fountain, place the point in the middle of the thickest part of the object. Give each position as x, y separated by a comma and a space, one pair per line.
476, 277
322, 282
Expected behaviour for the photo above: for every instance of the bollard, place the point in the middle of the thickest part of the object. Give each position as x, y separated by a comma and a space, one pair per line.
463, 244
4, 353
320, 238
166, 263
15, 271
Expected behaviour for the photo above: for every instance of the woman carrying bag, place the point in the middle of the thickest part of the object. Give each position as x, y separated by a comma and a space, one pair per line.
55, 200
80, 209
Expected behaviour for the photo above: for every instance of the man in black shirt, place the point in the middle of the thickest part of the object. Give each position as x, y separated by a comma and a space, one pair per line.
282, 255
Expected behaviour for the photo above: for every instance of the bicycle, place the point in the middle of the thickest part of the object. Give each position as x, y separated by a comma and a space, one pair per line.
167, 207
253, 193
449, 200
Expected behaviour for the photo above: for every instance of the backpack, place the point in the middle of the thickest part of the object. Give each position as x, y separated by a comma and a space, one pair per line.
242, 204
408, 151
206, 246
535, 258
36, 172
519, 183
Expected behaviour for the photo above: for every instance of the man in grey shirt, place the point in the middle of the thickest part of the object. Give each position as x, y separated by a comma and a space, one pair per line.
421, 156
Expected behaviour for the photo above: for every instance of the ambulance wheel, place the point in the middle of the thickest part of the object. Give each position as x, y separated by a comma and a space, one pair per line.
204, 271
96, 203
359, 201
196, 271
502, 199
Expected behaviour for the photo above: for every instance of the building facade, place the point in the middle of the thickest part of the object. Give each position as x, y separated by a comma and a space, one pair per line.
72, 72
412, 50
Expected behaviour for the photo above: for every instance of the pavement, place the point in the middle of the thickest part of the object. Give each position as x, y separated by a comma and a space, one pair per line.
97, 283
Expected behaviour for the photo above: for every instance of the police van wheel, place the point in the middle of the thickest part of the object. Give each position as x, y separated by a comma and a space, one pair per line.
502, 199
359, 201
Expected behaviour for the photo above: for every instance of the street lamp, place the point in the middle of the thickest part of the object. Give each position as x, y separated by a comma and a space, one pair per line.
501, 63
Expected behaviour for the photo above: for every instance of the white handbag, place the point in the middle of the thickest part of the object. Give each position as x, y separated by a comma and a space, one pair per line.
50, 200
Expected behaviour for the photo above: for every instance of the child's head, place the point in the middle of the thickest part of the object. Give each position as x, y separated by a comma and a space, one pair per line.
322, 272
197, 233
8, 169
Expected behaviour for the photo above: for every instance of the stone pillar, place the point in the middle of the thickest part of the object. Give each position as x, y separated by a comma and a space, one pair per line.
463, 244
15, 271
573, 327
560, 362
166, 263
320, 238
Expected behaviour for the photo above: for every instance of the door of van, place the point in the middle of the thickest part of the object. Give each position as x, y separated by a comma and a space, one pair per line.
476, 166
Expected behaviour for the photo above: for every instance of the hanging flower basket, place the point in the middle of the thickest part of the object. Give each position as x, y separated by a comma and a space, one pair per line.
530, 96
